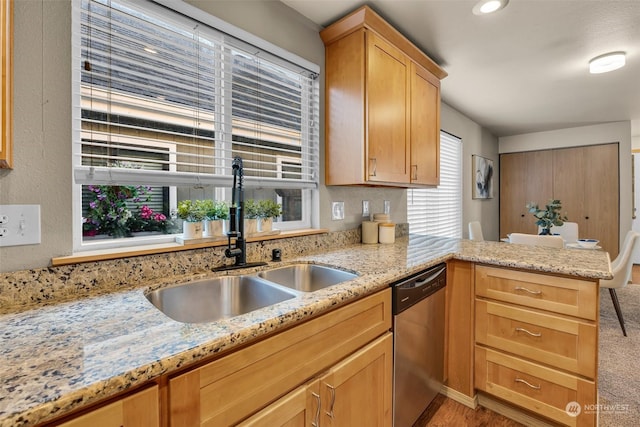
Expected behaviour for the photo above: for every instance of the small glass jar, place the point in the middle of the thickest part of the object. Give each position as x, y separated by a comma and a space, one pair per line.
386, 232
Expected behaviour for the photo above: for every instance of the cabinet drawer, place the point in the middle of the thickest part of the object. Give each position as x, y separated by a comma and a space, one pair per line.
542, 390
233, 387
573, 297
553, 340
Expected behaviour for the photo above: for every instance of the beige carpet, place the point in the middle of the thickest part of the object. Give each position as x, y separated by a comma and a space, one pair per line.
619, 363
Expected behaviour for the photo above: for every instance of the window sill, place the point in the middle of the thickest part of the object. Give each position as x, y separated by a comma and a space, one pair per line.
131, 251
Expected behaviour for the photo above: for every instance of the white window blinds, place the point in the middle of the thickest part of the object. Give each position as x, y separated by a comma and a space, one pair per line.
438, 211
162, 99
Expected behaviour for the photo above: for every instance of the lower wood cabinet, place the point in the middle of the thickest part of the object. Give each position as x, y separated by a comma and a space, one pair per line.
228, 390
536, 339
137, 410
356, 391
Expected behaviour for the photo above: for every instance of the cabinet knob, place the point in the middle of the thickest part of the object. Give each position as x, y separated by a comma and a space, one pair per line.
586, 217
522, 215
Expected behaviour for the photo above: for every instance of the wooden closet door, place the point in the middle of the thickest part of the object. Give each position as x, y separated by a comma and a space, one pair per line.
568, 184
602, 196
524, 177
512, 194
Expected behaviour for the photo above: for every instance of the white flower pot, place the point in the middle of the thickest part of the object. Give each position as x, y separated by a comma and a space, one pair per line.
265, 224
213, 228
192, 230
250, 226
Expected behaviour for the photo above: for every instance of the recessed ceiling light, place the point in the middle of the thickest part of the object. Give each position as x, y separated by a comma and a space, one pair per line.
607, 62
489, 6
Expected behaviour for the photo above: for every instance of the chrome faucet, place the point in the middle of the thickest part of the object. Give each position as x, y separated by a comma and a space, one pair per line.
236, 221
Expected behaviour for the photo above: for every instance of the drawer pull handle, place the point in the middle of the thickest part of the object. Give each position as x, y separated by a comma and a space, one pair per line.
373, 164
533, 334
316, 418
535, 387
414, 172
333, 401
521, 288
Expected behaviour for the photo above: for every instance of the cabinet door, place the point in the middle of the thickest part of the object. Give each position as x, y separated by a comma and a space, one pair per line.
387, 112
357, 391
299, 408
138, 410
425, 127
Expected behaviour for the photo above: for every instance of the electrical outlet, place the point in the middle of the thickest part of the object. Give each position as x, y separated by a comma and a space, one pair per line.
3, 232
387, 207
4, 219
337, 211
365, 208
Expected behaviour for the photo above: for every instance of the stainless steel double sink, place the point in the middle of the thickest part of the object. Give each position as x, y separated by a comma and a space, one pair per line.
222, 297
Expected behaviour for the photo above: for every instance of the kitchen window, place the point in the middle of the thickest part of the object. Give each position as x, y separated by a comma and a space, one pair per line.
438, 211
164, 102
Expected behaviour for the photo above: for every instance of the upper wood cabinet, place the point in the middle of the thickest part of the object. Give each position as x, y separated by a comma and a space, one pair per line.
6, 85
382, 106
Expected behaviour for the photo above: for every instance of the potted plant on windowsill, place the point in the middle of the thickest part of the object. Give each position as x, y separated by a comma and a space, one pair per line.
250, 217
215, 214
547, 217
192, 215
267, 211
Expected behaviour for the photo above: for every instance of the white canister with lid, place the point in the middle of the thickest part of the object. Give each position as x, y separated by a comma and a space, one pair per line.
369, 232
386, 232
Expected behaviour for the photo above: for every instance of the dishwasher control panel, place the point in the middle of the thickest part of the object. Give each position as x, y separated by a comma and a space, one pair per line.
416, 287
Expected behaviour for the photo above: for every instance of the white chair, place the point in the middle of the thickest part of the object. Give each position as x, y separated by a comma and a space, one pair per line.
536, 240
475, 231
621, 267
568, 231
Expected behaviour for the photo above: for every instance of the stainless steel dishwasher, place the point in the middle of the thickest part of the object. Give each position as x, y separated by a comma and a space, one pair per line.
418, 343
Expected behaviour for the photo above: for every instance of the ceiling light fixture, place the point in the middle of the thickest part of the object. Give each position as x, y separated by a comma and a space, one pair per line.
607, 62
484, 7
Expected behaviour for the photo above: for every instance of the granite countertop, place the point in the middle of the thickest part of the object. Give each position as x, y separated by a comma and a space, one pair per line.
57, 358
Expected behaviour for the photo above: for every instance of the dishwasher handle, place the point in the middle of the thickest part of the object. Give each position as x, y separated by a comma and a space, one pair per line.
418, 281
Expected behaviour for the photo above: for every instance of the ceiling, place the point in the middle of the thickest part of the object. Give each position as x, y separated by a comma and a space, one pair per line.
524, 68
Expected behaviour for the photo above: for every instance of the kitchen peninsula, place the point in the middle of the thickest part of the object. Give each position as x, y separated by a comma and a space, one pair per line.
58, 358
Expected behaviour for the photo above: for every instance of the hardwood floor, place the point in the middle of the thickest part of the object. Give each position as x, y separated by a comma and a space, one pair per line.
445, 412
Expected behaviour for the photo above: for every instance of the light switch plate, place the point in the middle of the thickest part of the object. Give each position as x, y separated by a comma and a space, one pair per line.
365, 208
387, 207
337, 211
20, 225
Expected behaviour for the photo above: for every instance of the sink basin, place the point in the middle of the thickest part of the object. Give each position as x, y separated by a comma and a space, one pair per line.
214, 299
306, 277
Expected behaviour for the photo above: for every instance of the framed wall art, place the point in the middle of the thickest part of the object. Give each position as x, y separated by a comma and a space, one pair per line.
482, 177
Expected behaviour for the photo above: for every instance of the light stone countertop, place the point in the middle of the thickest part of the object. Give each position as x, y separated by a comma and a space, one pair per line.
56, 358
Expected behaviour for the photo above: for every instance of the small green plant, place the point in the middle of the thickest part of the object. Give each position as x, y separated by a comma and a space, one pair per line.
190, 211
214, 210
251, 209
548, 217
269, 209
